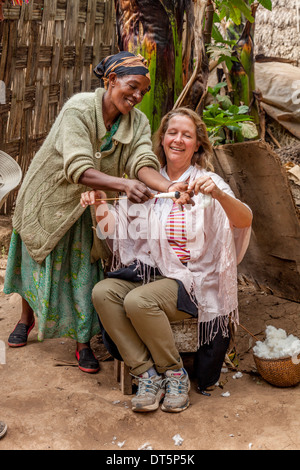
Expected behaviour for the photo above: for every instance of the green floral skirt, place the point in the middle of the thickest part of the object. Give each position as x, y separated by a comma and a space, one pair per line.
60, 289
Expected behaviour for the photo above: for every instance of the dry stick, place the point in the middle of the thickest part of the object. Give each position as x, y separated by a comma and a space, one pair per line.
248, 332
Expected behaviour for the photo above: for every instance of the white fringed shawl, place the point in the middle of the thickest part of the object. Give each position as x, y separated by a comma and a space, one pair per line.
216, 248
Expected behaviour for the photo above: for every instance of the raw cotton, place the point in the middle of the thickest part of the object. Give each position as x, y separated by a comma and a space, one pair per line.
177, 440
277, 344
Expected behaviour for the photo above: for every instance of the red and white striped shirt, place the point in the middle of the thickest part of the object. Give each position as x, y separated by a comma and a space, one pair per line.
176, 233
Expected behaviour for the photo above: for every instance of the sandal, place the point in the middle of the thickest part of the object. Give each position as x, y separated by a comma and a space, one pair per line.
20, 334
87, 361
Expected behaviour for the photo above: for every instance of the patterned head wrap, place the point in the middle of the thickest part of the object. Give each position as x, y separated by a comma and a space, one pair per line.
123, 63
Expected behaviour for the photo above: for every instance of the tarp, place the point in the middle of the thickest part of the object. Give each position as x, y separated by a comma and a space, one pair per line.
279, 84
257, 177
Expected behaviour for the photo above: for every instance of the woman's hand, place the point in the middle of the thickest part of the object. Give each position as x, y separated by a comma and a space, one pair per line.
205, 185
93, 198
136, 191
185, 193
238, 214
104, 217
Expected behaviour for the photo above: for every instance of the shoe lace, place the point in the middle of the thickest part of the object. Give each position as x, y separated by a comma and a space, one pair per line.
146, 385
175, 386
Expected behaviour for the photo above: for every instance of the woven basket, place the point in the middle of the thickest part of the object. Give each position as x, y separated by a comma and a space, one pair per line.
281, 372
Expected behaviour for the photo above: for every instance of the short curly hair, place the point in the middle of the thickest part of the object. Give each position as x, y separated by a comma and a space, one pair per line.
203, 156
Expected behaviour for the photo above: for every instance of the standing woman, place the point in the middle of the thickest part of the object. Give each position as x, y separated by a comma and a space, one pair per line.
54, 259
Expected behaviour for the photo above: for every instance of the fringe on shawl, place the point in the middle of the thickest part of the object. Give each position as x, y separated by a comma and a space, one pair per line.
147, 273
143, 270
207, 331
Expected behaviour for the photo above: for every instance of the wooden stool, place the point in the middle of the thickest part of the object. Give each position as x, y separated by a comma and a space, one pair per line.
123, 376
186, 340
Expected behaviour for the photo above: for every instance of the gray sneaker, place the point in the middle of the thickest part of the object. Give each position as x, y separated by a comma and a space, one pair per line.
3, 429
177, 391
151, 391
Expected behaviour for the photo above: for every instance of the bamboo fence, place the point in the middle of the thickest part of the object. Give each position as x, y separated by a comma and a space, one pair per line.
48, 49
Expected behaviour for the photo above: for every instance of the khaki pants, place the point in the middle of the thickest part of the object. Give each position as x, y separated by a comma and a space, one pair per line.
137, 318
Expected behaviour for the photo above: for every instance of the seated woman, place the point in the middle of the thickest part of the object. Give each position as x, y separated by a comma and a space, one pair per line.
171, 263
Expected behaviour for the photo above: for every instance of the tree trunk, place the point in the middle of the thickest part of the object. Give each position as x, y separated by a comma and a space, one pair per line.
164, 33
242, 72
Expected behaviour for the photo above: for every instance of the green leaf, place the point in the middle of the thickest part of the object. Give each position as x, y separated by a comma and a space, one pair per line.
235, 14
241, 5
217, 136
214, 91
225, 101
241, 117
266, 4
249, 130
243, 109
224, 12
216, 18
234, 109
233, 128
220, 85
215, 140
216, 35
218, 51
212, 109
212, 106
228, 61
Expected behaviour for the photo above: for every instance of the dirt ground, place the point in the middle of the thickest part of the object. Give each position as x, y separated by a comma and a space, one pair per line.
48, 403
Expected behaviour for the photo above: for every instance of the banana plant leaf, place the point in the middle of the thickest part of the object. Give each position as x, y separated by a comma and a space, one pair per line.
242, 72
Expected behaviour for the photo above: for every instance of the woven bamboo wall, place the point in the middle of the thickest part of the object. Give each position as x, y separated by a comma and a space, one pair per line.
48, 49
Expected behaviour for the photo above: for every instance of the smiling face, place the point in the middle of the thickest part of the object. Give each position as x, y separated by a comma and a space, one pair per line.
127, 91
180, 142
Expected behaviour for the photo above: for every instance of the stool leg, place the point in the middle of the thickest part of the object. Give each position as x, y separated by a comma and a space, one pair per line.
126, 380
117, 369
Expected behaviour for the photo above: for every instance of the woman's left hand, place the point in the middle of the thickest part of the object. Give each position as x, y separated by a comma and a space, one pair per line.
205, 185
94, 197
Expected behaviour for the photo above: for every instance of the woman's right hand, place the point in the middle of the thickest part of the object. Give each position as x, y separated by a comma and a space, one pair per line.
185, 193
136, 191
